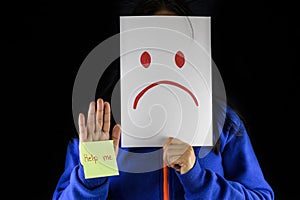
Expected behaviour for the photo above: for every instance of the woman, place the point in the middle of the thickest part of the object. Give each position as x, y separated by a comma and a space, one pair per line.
230, 171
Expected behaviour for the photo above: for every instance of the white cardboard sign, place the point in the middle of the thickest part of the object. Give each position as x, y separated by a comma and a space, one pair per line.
166, 88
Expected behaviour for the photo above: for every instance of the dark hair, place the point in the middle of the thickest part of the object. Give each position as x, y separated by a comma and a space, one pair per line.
149, 7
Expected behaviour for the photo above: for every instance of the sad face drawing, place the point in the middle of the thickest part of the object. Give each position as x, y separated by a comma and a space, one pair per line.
165, 80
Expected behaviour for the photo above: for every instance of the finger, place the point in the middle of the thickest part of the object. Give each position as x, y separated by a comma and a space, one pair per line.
104, 136
115, 135
91, 119
177, 165
99, 115
172, 146
172, 159
82, 128
106, 121
178, 149
168, 141
170, 156
176, 141
177, 162
165, 157
175, 151
165, 151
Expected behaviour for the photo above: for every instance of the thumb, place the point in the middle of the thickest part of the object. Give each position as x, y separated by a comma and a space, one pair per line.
116, 132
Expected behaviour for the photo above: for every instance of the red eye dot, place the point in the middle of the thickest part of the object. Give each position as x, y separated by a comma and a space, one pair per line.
145, 59
179, 59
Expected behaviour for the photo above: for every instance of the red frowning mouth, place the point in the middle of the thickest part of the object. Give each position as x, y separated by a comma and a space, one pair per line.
141, 93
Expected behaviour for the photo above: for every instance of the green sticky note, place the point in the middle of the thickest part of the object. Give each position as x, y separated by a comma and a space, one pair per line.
98, 159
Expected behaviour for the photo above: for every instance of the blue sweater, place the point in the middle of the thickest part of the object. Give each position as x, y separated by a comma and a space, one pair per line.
233, 173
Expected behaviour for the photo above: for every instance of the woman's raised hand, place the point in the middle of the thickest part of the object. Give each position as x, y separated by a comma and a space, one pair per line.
97, 126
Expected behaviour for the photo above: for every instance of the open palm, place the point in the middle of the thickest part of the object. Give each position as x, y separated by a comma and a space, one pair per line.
97, 126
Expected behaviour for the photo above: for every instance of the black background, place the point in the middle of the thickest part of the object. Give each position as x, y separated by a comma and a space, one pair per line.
45, 42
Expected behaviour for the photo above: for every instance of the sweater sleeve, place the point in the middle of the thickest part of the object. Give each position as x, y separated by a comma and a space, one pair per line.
243, 177
73, 185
